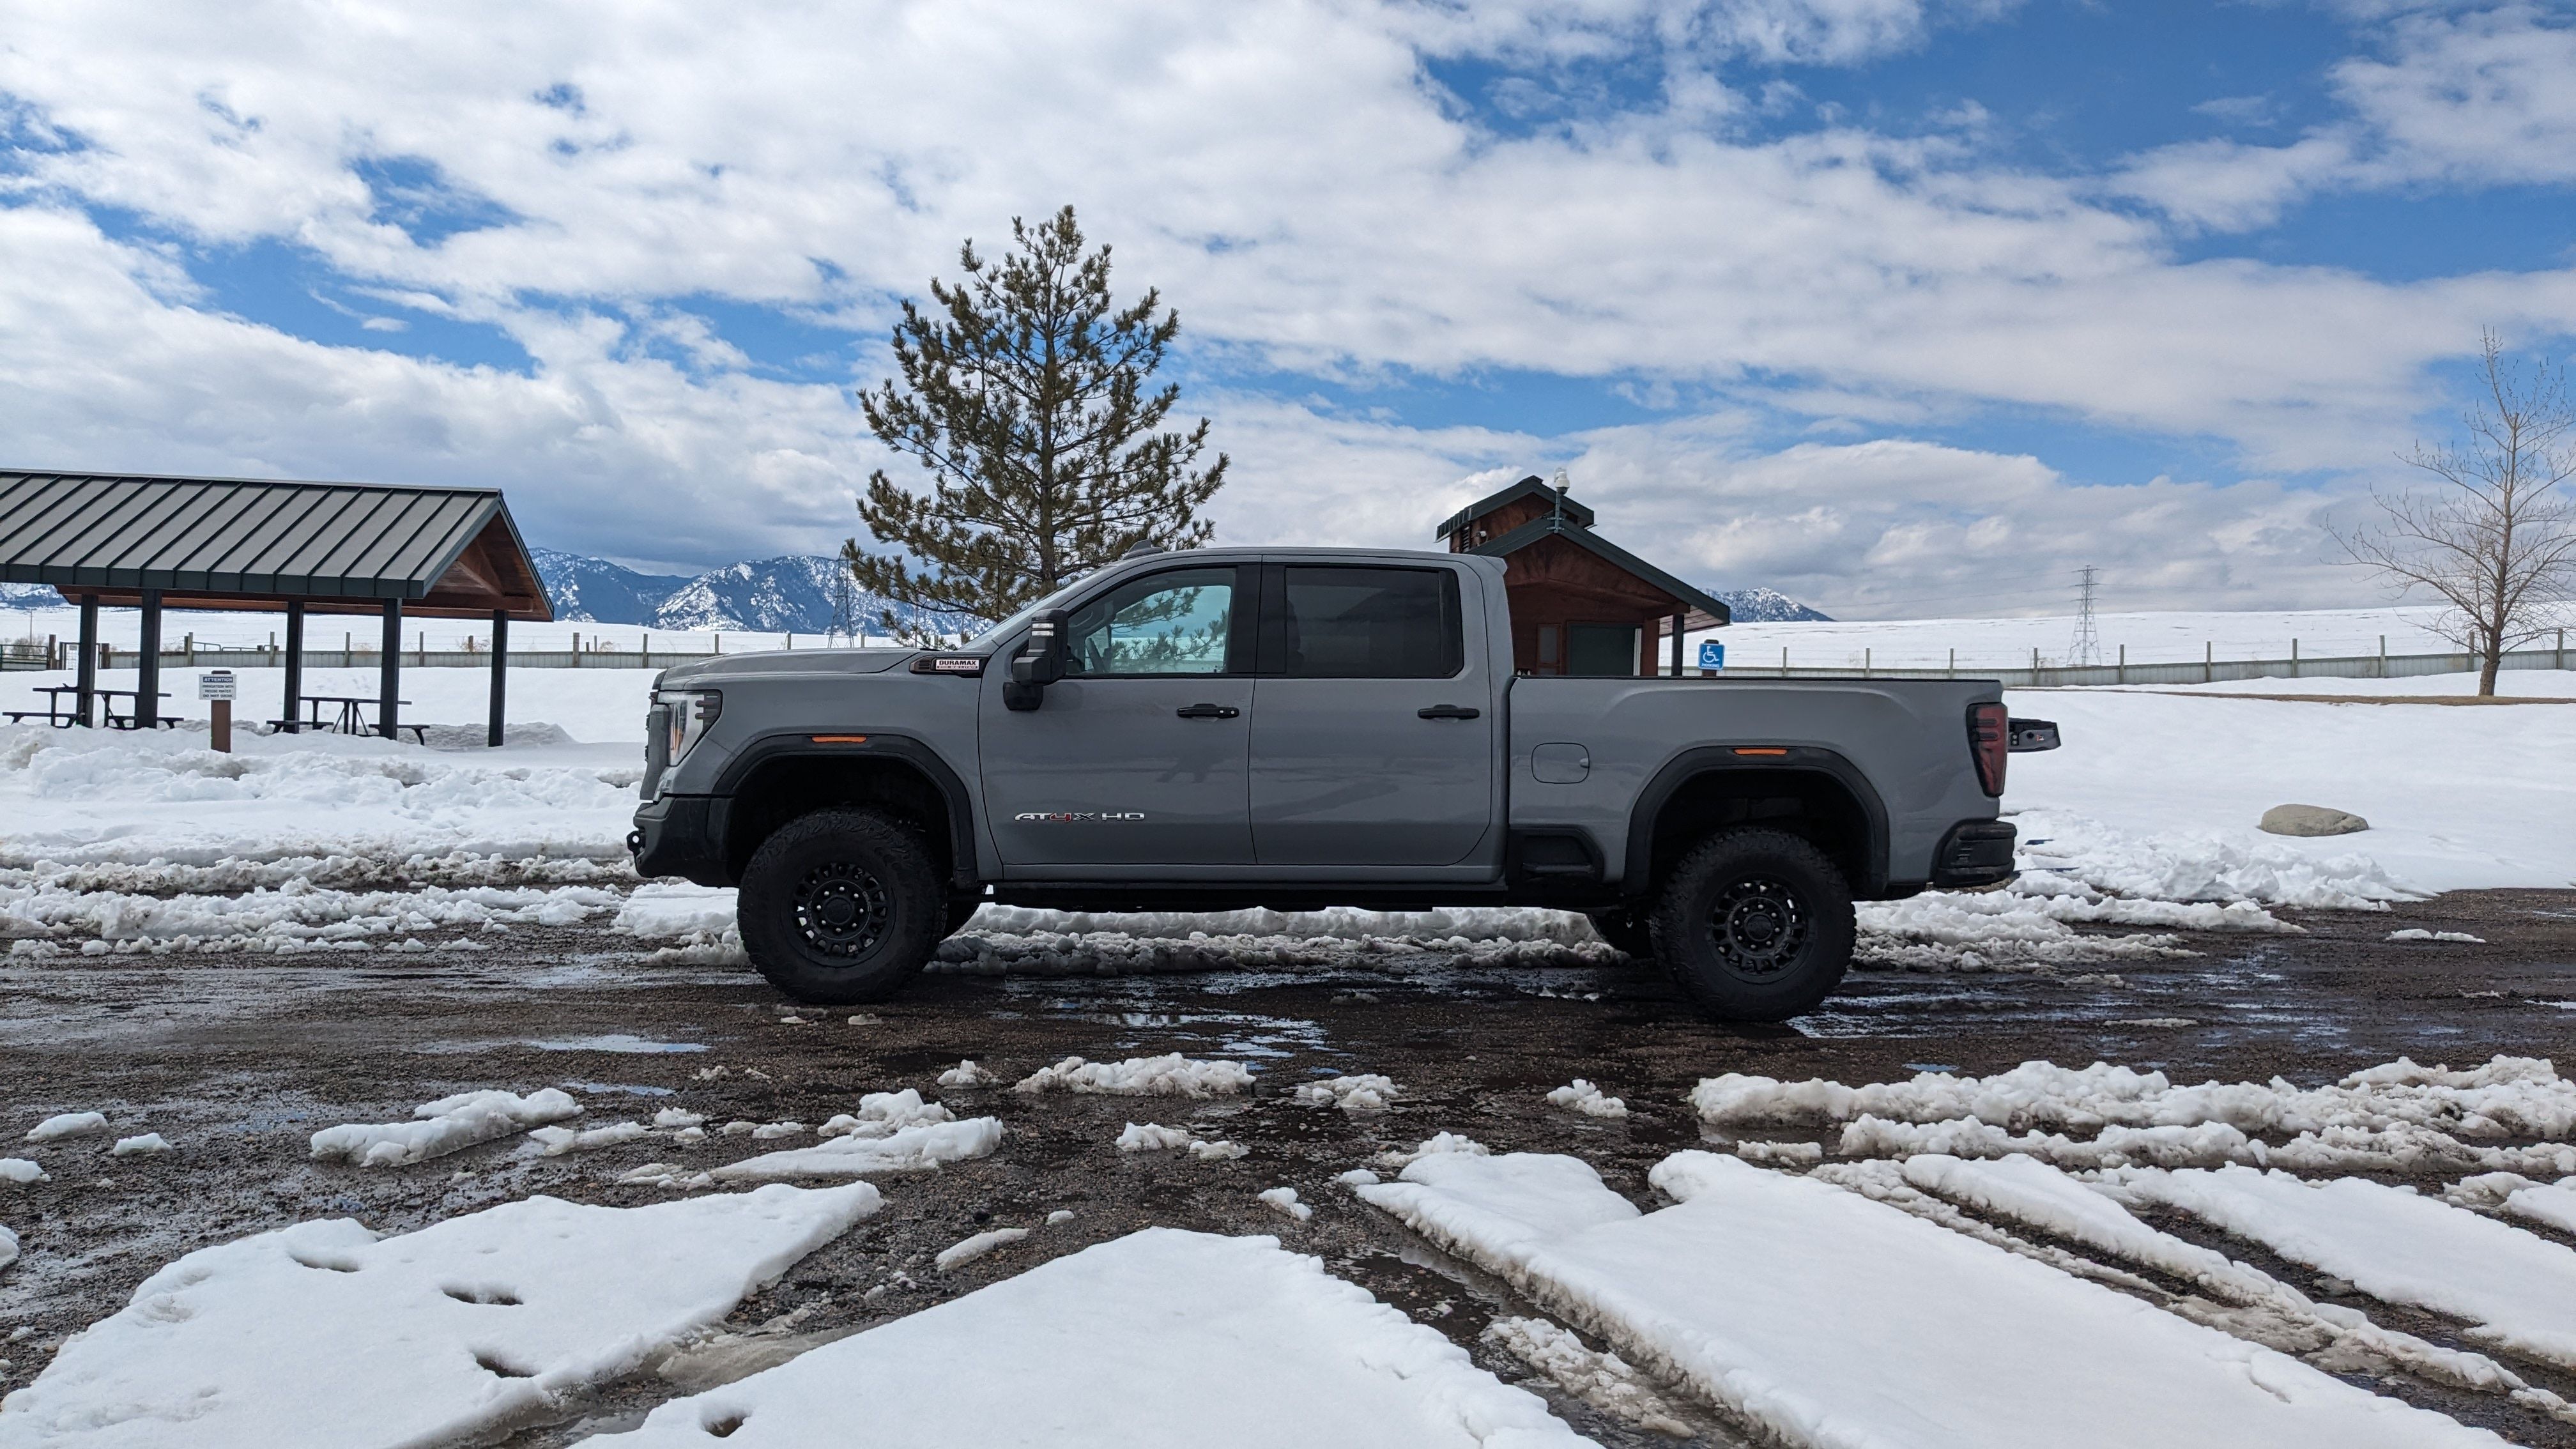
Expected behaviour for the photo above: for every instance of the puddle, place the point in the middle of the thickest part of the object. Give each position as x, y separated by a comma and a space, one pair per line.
615, 1041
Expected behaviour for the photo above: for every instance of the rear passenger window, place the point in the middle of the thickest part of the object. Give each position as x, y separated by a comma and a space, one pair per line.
1367, 623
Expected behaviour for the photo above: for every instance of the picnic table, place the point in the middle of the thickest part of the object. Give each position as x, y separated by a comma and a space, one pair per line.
351, 718
63, 716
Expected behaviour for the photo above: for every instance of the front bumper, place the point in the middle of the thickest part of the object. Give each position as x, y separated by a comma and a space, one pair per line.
681, 835
1974, 853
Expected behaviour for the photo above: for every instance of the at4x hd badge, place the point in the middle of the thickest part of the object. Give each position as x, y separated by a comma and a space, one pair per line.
1066, 817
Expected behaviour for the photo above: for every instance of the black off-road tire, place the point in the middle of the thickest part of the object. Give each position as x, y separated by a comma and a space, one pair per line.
1754, 925
841, 907
1625, 930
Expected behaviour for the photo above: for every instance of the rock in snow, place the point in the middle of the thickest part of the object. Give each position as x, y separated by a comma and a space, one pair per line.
450, 1124
1179, 1340
67, 1124
1830, 1319
325, 1334
2310, 820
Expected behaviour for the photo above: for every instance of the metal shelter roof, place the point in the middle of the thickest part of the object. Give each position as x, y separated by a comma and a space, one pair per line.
1691, 596
250, 543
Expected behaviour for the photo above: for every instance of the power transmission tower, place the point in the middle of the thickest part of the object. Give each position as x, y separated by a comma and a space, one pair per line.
845, 609
2087, 648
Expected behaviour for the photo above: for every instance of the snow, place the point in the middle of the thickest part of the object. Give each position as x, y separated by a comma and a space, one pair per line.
911, 1149
145, 1145
1438, 1142
2459, 798
1359, 1095
325, 1333
450, 1124
22, 1170
8, 1255
1170, 1075
961, 1253
2150, 636
1152, 1137
2418, 933
2398, 1115
556, 1141
882, 1114
1760, 1290
1284, 1199
965, 1074
1181, 1340
2553, 1204
1603, 1380
81, 797
678, 1117
67, 1124
2515, 1289
1581, 1096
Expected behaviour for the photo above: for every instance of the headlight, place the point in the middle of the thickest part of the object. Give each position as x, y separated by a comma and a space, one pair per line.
692, 711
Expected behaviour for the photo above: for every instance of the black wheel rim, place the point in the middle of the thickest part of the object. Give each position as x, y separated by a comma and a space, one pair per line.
841, 909
1758, 927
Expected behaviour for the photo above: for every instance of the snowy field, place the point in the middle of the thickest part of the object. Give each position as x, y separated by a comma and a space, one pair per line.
2104, 1254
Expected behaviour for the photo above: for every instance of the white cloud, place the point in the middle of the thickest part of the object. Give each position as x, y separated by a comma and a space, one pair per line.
1290, 177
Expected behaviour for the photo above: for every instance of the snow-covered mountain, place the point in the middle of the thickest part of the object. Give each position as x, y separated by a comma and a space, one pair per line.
1769, 606
793, 594
601, 592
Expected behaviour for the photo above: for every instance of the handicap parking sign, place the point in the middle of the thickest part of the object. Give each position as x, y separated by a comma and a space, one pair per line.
1712, 655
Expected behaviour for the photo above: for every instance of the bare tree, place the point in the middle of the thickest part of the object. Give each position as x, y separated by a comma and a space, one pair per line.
2495, 538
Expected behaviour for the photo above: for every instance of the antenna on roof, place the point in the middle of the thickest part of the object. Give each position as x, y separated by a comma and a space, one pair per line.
1556, 519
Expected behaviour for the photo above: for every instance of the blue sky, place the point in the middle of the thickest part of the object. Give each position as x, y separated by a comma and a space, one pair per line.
1885, 303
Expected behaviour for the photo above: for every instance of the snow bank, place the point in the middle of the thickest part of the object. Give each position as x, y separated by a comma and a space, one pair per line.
1756, 1287
911, 1149
1169, 1075
21, 1170
1603, 1380
323, 1333
294, 916
2553, 1204
1179, 1340
2516, 1290
98, 796
882, 1114
450, 1124
2399, 1116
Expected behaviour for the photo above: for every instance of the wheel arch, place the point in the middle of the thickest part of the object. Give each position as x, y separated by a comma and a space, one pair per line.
1807, 791
778, 777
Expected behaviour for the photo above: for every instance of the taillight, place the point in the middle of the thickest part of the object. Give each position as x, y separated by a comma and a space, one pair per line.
1990, 741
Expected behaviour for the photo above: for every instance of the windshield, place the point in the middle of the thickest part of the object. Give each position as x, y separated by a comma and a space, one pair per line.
996, 631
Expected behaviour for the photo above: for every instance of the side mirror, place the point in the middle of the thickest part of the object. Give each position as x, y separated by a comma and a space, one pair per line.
1039, 663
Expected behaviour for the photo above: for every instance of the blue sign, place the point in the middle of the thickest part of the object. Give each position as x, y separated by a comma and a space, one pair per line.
1712, 655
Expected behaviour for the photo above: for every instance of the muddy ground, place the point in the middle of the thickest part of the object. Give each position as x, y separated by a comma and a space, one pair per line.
237, 1060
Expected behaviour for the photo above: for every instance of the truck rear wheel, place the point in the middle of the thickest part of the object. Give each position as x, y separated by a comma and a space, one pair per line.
841, 906
1755, 925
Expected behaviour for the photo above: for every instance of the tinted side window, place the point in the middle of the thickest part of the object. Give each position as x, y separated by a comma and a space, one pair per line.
1170, 623
1367, 623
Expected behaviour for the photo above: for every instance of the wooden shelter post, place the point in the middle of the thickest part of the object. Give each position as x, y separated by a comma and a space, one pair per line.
389, 673
85, 675
293, 714
500, 672
147, 680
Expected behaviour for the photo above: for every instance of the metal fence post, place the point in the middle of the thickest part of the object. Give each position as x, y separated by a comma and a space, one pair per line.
2208, 662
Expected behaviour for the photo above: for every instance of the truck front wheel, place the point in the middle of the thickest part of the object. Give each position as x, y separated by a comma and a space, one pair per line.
1755, 925
840, 906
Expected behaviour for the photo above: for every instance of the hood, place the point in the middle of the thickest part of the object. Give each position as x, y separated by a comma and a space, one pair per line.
782, 661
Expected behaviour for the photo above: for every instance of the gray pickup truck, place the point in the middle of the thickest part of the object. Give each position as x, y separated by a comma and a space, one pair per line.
1222, 728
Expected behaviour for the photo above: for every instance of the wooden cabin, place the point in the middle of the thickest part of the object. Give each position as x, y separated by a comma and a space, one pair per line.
1580, 603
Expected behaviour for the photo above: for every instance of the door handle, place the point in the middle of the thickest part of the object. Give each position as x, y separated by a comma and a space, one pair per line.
1448, 711
1207, 711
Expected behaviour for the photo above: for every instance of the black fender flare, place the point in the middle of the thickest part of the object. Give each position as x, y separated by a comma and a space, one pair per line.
1639, 871
860, 743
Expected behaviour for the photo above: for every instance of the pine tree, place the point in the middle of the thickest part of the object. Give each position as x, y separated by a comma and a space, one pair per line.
1023, 395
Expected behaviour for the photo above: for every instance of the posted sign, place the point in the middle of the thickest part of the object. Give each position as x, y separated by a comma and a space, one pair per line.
1712, 655
215, 684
